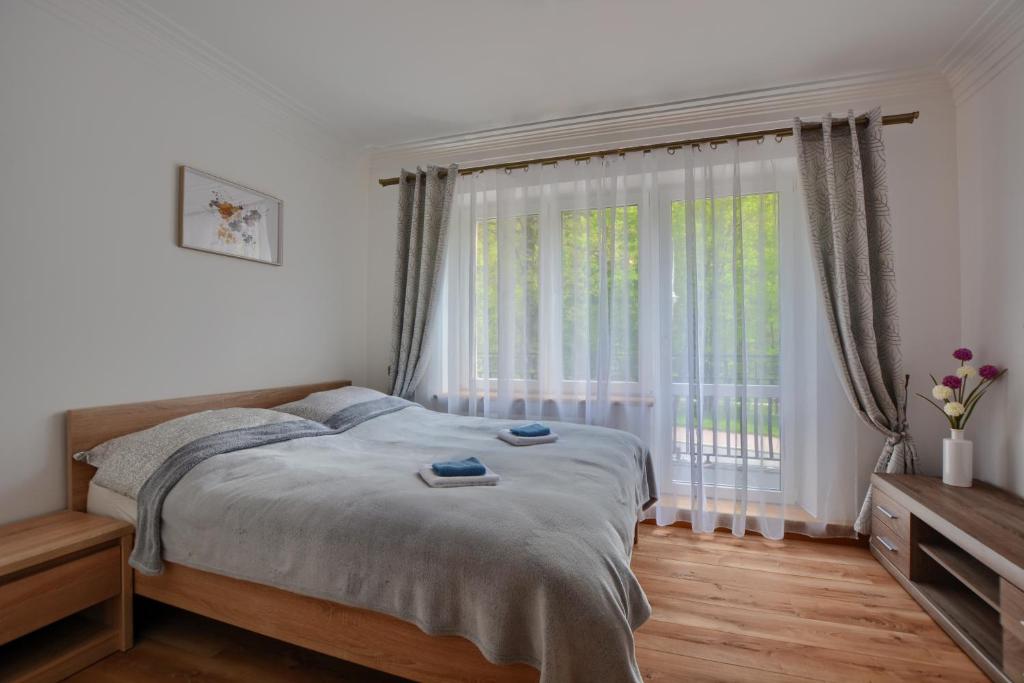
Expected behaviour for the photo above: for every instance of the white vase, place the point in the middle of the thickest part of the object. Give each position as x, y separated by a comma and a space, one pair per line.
957, 459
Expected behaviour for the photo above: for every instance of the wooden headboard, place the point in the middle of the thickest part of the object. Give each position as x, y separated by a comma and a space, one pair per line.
88, 427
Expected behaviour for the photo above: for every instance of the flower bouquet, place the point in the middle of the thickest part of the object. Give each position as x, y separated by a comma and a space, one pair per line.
956, 403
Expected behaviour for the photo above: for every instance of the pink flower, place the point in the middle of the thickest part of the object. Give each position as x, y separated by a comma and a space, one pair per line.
951, 381
963, 354
988, 372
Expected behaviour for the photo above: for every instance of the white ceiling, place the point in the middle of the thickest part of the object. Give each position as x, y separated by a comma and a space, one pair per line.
382, 72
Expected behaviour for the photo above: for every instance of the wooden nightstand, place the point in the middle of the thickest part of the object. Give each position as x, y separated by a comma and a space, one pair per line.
65, 594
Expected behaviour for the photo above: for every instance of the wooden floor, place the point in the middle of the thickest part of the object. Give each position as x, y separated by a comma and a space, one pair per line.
725, 609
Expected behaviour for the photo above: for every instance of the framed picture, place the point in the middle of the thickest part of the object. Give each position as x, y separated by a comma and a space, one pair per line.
222, 217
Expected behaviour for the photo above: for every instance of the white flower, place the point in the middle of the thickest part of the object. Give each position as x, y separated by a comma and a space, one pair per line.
941, 392
953, 409
965, 371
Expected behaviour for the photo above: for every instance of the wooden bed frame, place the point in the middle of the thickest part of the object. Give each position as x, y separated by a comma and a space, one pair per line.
369, 638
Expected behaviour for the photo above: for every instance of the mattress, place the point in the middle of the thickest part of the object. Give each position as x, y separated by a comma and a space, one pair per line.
103, 501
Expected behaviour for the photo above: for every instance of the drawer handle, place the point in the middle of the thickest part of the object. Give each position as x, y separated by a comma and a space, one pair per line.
887, 545
886, 512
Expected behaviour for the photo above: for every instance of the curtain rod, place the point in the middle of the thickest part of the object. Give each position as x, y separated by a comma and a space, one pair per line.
909, 117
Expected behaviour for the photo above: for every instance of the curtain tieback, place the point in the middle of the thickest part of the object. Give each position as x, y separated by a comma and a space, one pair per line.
898, 436
900, 445
901, 433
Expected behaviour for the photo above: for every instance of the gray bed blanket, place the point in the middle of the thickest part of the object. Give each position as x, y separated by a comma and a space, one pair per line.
533, 570
147, 555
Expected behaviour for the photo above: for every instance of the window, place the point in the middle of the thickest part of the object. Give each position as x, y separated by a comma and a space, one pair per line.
507, 304
725, 300
715, 257
597, 252
600, 252
734, 288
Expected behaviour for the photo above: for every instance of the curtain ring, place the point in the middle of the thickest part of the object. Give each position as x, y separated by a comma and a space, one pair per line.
760, 140
699, 149
714, 145
508, 171
778, 137
671, 151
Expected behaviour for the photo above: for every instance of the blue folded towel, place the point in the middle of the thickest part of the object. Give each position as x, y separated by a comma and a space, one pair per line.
470, 467
532, 429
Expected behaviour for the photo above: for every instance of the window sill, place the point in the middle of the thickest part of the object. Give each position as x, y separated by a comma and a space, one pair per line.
645, 401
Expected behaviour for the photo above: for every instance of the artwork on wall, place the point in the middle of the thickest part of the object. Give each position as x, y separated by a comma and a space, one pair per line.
222, 217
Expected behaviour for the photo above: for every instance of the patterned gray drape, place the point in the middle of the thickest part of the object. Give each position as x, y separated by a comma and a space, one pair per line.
842, 173
424, 209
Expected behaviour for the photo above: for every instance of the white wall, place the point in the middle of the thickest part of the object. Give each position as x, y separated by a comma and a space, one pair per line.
97, 304
922, 182
990, 162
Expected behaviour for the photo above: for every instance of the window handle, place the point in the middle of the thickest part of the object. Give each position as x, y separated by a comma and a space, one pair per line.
887, 545
885, 512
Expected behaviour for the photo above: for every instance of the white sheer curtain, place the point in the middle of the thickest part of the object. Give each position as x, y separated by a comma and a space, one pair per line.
670, 294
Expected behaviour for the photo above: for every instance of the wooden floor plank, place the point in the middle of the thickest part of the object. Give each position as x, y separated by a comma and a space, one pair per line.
793, 659
752, 544
724, 609
895, 615
658, 666
849, 576
774, 562
825, 635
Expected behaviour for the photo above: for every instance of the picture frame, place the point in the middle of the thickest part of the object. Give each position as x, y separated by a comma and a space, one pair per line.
219, 216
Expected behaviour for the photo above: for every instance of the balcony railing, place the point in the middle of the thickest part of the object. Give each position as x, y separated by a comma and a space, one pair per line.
738, 424
728, 421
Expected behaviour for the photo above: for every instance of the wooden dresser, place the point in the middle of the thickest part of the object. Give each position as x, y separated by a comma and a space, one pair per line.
960, 553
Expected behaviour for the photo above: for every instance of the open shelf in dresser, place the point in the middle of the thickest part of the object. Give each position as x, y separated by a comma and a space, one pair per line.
981, 580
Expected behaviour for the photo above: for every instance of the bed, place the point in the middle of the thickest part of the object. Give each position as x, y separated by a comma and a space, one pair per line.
393, 575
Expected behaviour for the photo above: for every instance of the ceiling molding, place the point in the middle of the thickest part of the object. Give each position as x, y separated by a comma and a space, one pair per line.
140, 29
991, 44
643, 123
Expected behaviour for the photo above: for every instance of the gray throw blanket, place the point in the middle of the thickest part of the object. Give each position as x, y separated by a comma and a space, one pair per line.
533, 570
355, 415
147, 556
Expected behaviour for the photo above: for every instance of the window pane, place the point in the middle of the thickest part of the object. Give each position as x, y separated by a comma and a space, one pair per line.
507, 292
486, 298
600, 295
725, 298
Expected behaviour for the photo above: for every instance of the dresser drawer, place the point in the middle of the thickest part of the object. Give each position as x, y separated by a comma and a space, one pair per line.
890, 546
890, 514
1011, 605
1013, 656
33, 600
